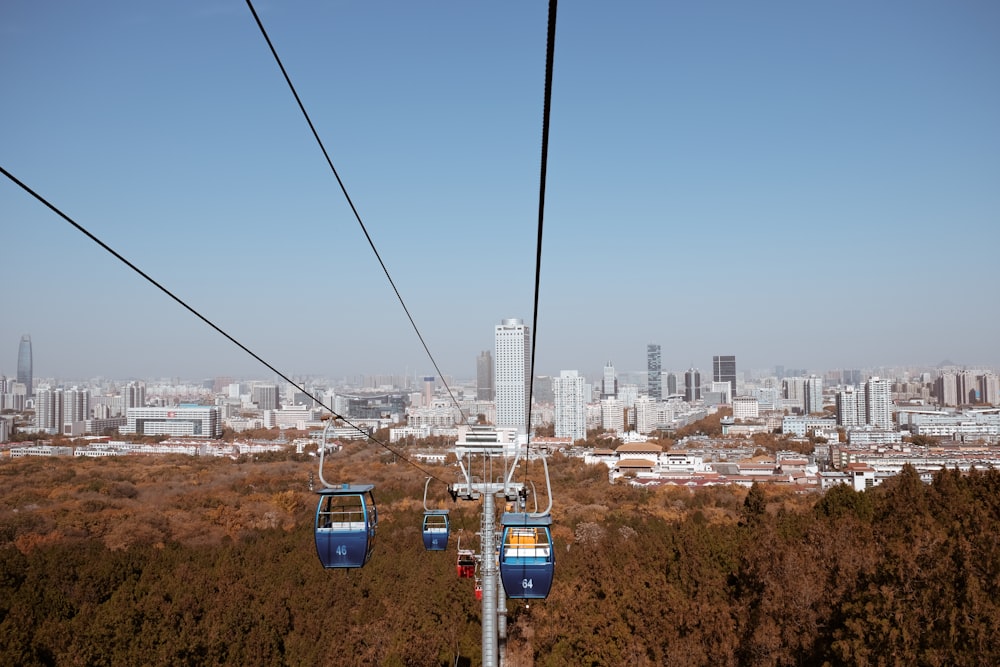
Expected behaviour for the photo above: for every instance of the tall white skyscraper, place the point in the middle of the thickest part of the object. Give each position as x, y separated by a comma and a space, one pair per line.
570, 406
512, 373
878, 402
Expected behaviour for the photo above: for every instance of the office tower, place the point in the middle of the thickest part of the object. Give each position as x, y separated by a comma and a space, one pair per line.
570, 406
428, 394
848, 414
265, 396
512, 373
653, 387
878, 402
24, 364
724, 370
813, 399
610, 384
484, 376
671, 384
692, 385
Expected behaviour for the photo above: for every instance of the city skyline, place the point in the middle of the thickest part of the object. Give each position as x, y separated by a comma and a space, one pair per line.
727, 168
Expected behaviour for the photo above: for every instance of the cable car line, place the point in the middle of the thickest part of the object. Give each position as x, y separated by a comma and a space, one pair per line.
354, 210
201, 317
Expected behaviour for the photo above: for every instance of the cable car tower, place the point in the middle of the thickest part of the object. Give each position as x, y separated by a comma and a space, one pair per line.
516, 560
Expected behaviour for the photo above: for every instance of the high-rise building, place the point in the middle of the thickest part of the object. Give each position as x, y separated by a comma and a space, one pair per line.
946, 389
512, 373
609, 387
428, 394
989, 389
653, 387
24, 364
484, 376
968, 388
671, 384
848, 403
813, 399
265, 396
724, 370
570, 414
692, 385
878, 402
135, 395
612, 415
49, 409
76, 405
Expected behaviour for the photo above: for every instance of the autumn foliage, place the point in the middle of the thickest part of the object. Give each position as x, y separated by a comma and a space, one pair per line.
188, 561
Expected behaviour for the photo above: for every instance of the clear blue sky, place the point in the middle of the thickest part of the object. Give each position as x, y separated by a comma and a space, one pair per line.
809, 184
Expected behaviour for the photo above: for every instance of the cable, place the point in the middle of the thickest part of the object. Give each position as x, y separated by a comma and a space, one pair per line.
549, 60
204, 319
354, 209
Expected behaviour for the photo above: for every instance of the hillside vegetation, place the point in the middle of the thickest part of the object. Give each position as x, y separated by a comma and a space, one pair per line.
187, 561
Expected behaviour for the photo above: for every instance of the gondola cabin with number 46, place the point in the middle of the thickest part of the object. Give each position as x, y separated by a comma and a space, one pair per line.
346, 518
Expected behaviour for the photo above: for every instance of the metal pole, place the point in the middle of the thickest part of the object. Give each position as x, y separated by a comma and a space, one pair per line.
489, 563
502, 622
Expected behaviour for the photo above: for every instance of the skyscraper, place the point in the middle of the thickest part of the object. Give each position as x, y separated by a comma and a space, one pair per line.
692, 385
878, 402
610, 384
24, 364
570, 406
653, 381
724, 370
512, 373
671, 383
484, 376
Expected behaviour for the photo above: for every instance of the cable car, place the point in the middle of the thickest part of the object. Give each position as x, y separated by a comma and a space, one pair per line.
466, 562
435, 530
346, 518
527, 559
436, 526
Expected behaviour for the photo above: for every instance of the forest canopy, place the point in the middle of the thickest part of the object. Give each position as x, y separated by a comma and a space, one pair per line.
192, 561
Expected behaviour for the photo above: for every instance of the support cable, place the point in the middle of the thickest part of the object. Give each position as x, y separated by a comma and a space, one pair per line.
204, 319
354, 210
549, 60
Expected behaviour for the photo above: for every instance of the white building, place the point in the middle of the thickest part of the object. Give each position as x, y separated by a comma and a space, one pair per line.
612, 415
878, 400
850, 408
197, 421
745, 407
512, 374
570, 416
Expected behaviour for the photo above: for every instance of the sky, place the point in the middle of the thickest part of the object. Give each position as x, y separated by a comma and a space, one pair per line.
815, 185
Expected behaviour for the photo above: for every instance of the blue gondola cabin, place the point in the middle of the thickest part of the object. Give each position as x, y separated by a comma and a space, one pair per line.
435, 530
527, 560
346, 518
